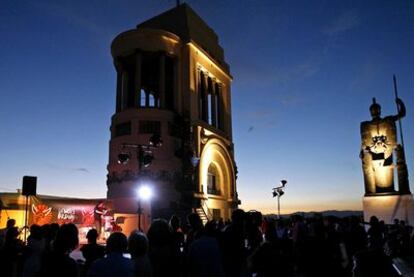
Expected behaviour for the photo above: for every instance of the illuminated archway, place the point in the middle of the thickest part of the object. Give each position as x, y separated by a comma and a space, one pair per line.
215, 160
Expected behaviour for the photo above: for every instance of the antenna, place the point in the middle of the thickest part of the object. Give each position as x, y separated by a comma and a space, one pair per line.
398, 109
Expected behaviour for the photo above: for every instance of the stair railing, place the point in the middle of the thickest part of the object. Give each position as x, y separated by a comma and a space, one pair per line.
206, 210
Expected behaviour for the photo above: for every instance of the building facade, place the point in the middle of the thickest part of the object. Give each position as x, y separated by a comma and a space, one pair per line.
172, 83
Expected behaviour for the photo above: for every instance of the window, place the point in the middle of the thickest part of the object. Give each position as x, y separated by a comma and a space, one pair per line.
213, 180
216, 214
142, 98
209, 102
123, 129
149, 127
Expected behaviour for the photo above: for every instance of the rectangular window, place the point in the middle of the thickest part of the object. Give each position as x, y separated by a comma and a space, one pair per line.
210, 111
123, 129
149, 127
216, 214
212, 184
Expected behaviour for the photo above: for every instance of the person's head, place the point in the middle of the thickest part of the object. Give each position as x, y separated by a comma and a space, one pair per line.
137, 244
375, 109
195, 221
92, 236
54, 228
10, 223
238, 216
373, 220
36, 232
66, 238
159, 233
11, 234
116, 243
175, 222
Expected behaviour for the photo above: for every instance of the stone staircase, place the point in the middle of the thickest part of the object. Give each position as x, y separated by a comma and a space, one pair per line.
202, 214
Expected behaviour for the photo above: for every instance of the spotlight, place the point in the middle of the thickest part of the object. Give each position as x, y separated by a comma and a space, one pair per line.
155, 140
123, 158
145, 158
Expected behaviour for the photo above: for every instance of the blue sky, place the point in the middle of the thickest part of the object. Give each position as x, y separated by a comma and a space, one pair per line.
304, 75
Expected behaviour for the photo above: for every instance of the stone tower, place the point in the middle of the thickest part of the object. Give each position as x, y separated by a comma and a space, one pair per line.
172, 82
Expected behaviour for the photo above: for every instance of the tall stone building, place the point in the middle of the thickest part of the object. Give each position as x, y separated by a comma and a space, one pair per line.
172, 82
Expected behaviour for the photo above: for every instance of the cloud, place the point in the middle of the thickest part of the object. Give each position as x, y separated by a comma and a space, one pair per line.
344, 22
68, 168
81, 169
366, 72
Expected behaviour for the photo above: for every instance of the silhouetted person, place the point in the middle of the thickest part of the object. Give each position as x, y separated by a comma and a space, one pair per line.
233, 245
34, 252
299, 240
375, 234
254, 234
92, 251
204, 256
404, 237
355, 239
10, 253
114, 264
196, 226
162, 254
58, 262
270, 260
138, 247
10, 223
178, 235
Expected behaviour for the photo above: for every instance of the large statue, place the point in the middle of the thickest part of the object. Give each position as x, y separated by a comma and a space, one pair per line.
379, 142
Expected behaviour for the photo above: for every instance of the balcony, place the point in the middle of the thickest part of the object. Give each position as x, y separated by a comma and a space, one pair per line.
213, 191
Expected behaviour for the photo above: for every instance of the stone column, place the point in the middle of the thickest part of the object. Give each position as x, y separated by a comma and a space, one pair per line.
204, 95
220, 108
213, 103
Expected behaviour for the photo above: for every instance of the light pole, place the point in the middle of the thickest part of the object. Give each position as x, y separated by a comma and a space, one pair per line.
144, 193
278, 191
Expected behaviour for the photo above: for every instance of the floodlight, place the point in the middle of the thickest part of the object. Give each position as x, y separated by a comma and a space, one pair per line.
144, 192
155, 140
123, 158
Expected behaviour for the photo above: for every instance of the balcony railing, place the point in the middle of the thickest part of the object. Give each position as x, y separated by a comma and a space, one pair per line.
213, 191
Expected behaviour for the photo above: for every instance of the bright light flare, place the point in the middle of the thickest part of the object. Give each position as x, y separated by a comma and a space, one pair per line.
144, 192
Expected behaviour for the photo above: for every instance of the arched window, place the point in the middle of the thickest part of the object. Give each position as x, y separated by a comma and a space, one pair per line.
213, 180
142, 98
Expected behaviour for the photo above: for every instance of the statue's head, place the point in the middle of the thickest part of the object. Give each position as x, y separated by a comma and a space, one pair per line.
375, 109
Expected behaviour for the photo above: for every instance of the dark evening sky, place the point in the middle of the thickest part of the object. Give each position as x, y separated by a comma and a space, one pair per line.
304, 76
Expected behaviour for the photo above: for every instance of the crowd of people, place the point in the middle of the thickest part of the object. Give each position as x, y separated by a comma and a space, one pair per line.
248, 245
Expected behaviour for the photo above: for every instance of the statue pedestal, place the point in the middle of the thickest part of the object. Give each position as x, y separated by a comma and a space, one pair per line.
389, 207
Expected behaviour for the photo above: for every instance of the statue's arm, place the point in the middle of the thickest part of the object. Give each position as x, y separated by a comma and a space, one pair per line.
401, 109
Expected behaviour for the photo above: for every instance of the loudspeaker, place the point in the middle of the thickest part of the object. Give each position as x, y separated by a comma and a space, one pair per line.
29, 185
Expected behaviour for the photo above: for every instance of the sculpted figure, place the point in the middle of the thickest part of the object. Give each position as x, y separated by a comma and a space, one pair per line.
379, 141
